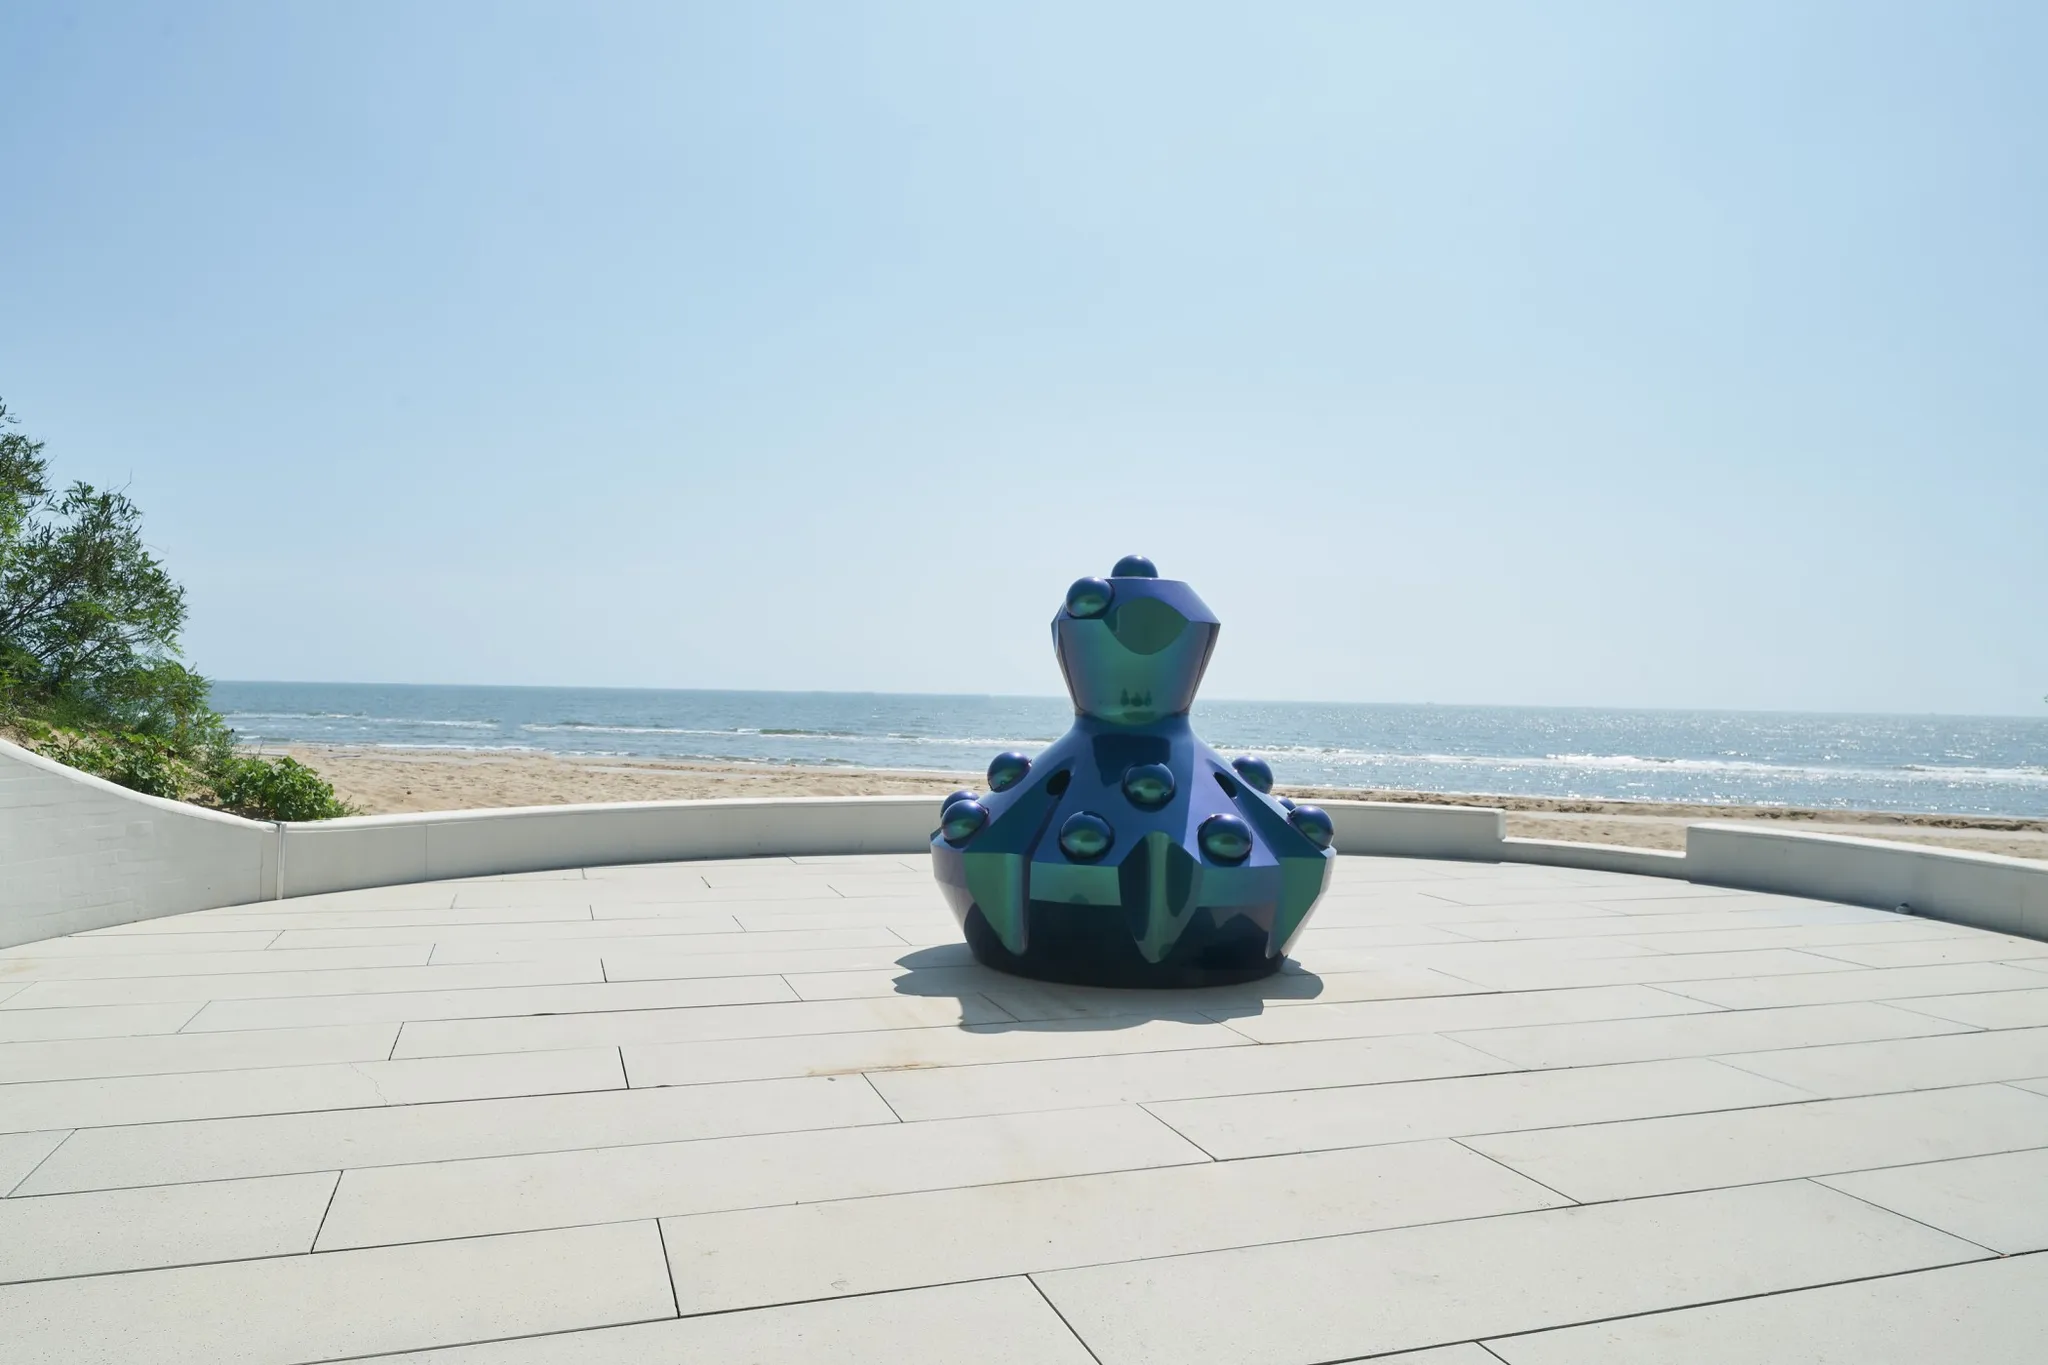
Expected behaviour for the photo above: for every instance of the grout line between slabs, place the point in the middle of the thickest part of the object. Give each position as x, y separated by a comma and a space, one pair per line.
564, 1334
1147, 1107
668, 1268
877, 1090
326, 1209
1079, 1340
1821, 1181
29, 1174
1569, 1201
1010, 1016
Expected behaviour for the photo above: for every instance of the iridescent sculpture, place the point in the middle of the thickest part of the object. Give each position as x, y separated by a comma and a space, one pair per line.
1130, 853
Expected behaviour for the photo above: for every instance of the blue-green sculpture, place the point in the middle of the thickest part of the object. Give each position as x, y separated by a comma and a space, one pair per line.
1130, 853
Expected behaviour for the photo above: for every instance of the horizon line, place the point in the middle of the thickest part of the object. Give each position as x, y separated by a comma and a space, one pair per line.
1049, 696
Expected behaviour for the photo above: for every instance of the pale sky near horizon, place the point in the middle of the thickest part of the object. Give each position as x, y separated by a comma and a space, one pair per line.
1585, 354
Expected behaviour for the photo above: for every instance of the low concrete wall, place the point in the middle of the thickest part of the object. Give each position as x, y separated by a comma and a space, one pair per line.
1984, 890
384, 850
77, 853
1400, 829
1643, 862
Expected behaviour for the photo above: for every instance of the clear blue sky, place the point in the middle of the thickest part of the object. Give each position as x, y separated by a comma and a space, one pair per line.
1616, 354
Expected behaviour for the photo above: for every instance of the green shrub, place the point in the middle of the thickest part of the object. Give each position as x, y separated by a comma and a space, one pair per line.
275, 789
138, 762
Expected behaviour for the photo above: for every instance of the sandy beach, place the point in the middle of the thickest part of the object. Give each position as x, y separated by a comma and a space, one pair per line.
385, 781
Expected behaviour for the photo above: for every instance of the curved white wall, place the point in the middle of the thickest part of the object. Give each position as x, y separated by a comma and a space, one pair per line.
77, 853
380, 850
1981, 889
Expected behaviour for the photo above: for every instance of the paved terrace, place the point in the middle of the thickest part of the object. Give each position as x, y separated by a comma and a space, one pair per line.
768, 1111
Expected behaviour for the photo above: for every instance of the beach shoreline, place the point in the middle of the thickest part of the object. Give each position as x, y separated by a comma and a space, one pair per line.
384, 781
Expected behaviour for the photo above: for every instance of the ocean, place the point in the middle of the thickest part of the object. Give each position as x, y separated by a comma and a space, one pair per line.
1975, 765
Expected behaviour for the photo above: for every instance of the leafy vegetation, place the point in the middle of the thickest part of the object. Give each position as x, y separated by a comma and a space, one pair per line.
90, 669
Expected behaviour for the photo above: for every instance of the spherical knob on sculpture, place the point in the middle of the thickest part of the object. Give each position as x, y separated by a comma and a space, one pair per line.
1285, 804
1134, 566
1314, 824
962, 795
1006, 770
1086, 836
1148, 786
1225, 839
963, 820
1088, 597
1256, 772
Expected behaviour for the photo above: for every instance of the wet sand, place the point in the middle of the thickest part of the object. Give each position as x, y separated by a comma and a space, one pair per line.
385, 781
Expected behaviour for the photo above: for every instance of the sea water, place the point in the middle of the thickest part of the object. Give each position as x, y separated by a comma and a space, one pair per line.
1979, 765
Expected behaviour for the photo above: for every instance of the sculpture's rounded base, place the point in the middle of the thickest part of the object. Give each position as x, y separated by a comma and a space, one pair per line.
1088, 945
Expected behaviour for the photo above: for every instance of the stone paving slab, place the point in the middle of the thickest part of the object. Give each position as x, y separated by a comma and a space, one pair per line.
704, 1023
601, 940
1907, 1063
2000, 1010
59, 1059
2000, 1202
83, 945
1356, 1116
1141, 1077
992, 1322
531, 936
1410, 1287
1650, 1156
1662, 931
411, 1134
62, 1235
204, 989
299, 1089
382, 1205
94, 1021
887, 1051
479, 1003
1990, 1313
1481, 1010
1980, 946
1894, 983
79, 966
676, 965
859, 1246
308, 1308
771, 1110
1701, 1035
278, 916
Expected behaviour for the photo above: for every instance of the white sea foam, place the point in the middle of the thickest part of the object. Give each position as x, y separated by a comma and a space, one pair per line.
233, 716
2027, 775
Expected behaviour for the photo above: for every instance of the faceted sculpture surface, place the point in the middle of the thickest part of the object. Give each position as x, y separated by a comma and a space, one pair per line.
1130, 853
